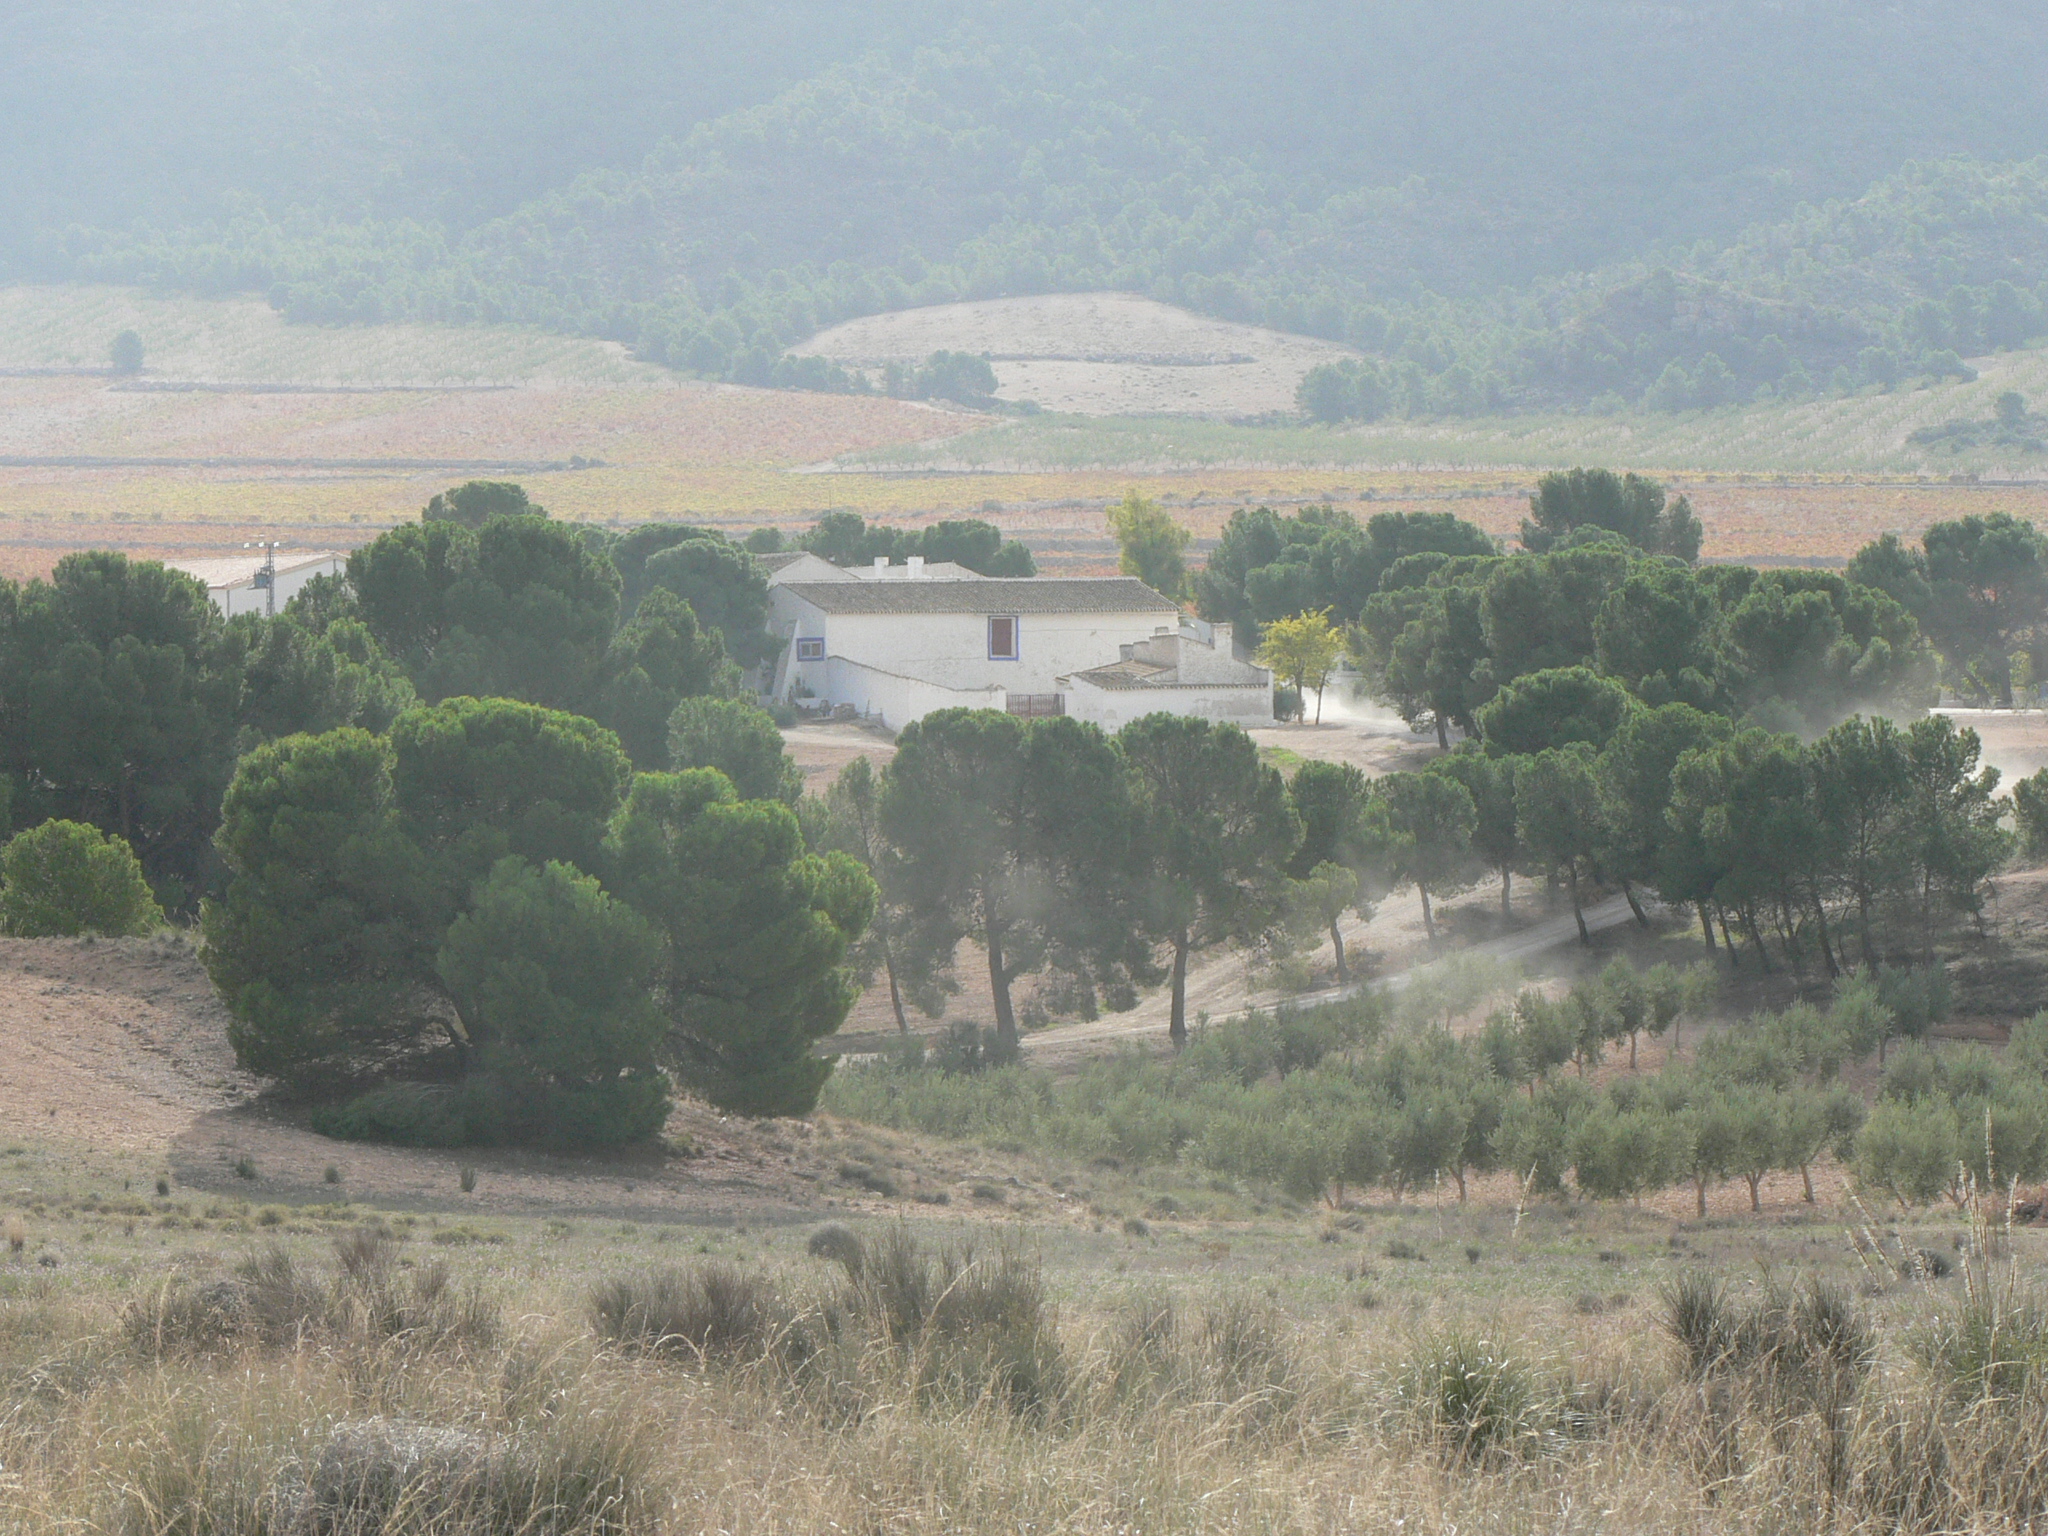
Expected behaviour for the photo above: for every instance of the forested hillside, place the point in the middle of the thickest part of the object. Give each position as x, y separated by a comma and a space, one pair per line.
1500, 203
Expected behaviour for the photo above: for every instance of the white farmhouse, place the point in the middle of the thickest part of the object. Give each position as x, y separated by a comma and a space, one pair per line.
894, 643
237, 584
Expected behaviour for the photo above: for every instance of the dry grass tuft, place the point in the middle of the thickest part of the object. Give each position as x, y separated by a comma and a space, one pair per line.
275, 1301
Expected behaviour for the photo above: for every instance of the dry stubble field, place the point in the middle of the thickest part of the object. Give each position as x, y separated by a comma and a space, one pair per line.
244, 427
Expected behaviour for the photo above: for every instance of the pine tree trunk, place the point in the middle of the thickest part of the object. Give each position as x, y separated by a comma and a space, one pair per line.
1578, 912
1699, 1187
1642, 917
999, 989
1756, 937
1827, 950
1428, 918
895, 991
1177, 1024
1443, 736
1337, 939
1706, 924
1507, 886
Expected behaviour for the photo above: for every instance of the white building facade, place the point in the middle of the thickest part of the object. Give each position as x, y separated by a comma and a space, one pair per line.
237, 585
894, 643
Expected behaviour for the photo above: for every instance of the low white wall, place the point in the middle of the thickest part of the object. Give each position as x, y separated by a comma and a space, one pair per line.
893, 699
1113, 708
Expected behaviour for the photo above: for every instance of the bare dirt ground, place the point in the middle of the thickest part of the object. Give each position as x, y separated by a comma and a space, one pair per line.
118, 1048
2015, 740
118, 1043
823, 748
1098, 354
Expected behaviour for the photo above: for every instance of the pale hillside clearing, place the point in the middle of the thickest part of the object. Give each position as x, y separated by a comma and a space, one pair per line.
1095, 354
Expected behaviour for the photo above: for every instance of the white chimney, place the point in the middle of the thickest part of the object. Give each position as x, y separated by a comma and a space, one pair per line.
881, 565
916, 566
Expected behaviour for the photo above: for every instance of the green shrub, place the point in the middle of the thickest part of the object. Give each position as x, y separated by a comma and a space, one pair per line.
1992, 1346
841, 1245
1696, 1316
554, 982
401, 1114
1479, 1401
485, 1111
65, 878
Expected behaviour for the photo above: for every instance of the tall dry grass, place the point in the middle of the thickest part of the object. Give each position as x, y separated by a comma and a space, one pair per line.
893, 1386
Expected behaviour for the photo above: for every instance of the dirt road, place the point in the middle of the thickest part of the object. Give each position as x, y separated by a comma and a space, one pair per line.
1221, 979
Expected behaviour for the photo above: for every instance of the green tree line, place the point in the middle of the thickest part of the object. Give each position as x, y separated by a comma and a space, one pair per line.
1442, 619
484, 844
126, 699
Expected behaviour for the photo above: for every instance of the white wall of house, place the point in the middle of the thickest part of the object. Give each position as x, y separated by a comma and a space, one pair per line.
899, 666
951, 649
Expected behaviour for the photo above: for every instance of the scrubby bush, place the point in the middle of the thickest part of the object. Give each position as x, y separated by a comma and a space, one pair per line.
64, 878
841, 1245
274, 1301
712, 1313
1804, 1346
586, 1474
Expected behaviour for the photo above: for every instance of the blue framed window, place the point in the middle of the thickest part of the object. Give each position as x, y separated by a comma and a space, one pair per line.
1002, 638
810, 650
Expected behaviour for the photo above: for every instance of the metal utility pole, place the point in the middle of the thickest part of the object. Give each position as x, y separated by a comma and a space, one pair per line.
266, 574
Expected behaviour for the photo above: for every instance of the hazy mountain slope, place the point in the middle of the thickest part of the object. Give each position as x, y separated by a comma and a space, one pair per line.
1483, 192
